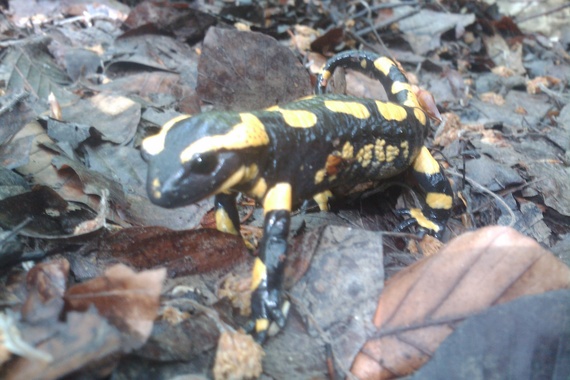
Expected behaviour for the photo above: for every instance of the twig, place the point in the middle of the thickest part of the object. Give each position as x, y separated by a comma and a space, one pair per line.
382, 6
384, 24
487, 191
553, 10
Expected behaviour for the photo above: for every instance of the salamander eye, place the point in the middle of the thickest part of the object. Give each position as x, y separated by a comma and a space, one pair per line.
203, 163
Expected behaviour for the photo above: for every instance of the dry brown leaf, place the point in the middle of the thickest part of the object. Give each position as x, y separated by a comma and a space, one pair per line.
493, 98
534, 86
84, 340
502, 71
238, 357
129, 300
428, 246
421, 305
46, 283
521, 111
449, 131
41, 171
180, 252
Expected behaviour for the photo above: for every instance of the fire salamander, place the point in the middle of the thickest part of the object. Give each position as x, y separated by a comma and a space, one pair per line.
288, 153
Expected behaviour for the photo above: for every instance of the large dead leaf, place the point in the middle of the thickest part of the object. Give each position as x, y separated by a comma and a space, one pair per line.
187, 24
46, 283
129, 300
247, 71
180, 252
85, 338
15, 113
115, 117
421, 305
33, 70
423, 30
45, 214
39, 169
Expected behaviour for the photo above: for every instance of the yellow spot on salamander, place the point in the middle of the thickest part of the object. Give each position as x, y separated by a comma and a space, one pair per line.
364, 155
390, 111
251, 172
424, 222
258, 274
153, 145
224, 223
249, 133
320, 176
261, 324
156, 193
299, 118
358, 110
420, 115
379, 150
237, 177
384, 64
242, 175
391, 153
347, 151
278, 198
322, 200
425, 163
363, 64
411, 99
259, 189
326, 75
439, 201
405, 146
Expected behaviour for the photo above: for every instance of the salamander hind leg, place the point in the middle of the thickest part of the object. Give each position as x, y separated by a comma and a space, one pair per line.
438, 196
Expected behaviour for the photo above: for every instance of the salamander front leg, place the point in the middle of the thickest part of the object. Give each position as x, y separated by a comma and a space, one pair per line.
267, 277
227, 217
439, 196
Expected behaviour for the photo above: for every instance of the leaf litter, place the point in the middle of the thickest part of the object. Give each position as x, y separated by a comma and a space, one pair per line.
73, 193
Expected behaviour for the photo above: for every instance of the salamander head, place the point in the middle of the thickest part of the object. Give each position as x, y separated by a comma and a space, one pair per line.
193, 158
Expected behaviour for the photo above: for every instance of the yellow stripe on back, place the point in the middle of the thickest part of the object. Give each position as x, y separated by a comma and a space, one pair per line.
384, 64
420, 115
247, 134
391, 111
355, 109
153, 145
411, 100
298, 118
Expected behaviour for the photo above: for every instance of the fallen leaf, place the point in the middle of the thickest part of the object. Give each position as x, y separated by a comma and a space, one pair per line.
238, 357
491, 97
421, 305
237, 71
50, 215
46, 284
129, 300
179, 252
84, 339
